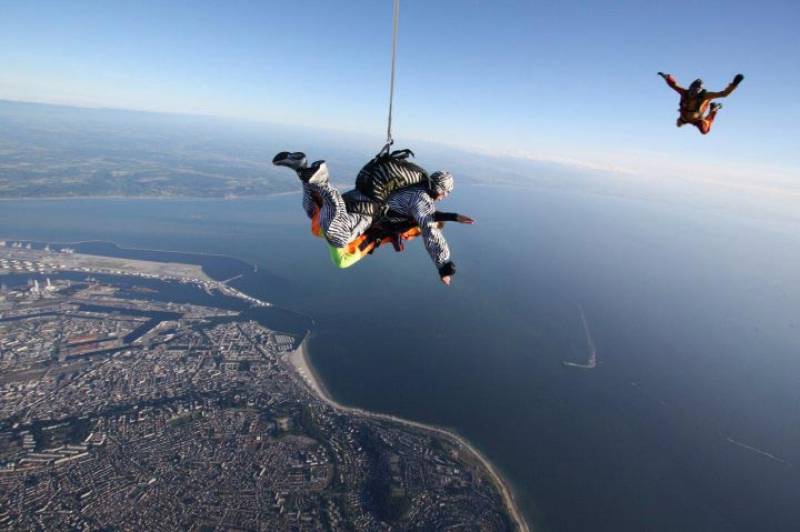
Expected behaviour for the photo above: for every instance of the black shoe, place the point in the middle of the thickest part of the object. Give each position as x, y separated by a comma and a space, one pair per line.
294, 160
315, 174
715, 107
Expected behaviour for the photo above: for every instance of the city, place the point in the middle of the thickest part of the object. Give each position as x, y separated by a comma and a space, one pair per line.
123, 411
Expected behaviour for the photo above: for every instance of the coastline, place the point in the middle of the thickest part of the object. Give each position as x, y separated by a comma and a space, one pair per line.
123, 266
300, 361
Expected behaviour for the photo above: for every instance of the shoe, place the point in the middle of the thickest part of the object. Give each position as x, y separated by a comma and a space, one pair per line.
316, 174
294, 160
715, 107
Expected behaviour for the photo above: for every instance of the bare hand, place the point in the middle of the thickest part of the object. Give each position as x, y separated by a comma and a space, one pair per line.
464, 219
446, 279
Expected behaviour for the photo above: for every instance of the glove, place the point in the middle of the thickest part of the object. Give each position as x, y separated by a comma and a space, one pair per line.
738, 79
663, 75
447, 269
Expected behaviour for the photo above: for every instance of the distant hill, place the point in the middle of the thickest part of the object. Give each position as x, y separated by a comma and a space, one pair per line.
53, 151
58, 151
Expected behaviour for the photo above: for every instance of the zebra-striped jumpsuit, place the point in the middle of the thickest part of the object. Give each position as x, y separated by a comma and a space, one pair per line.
342, 227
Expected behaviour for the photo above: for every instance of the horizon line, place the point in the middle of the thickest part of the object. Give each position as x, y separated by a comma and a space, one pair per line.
714, 174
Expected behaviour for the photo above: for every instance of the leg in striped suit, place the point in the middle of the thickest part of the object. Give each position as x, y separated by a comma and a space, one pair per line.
340, 227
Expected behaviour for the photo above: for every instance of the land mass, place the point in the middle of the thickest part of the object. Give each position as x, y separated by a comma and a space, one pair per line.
122, 409
59, 152
50, 151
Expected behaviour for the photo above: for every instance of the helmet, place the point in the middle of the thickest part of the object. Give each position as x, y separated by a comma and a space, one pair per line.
696, 85
441, 182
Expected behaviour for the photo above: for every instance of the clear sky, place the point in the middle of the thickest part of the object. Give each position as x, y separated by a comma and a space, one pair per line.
567, 81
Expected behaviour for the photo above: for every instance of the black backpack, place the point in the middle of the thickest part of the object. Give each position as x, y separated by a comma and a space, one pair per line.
379, 178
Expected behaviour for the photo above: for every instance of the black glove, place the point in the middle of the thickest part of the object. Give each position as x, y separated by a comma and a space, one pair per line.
663, 75
447, 269
738, 79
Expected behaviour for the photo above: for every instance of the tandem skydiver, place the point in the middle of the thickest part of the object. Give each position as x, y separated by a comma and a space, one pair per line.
696, 100
389, 190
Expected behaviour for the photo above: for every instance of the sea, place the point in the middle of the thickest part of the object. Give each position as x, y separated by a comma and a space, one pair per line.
690, 419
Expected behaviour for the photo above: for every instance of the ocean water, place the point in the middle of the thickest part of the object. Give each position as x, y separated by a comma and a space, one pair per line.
691, 419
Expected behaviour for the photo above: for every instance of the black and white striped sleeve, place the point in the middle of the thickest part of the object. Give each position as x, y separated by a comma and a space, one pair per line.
423, 211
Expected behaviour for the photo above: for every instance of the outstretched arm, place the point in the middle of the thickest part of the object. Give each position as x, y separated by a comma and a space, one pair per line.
424, 214
672, 83
729, 89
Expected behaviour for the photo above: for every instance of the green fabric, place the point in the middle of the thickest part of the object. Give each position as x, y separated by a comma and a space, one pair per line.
341, 258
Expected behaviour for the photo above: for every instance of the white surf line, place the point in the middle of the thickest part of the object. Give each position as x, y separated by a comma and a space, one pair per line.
300, 361
759, 452
592, 362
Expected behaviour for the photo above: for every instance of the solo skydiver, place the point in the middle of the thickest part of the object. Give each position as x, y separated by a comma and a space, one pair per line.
696, 100
341, 226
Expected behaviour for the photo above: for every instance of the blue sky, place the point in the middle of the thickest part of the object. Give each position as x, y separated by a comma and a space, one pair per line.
566, 81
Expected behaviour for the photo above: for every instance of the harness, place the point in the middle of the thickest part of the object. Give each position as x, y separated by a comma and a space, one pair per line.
377, 235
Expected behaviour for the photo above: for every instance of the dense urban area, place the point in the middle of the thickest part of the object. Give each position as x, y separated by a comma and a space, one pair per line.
120, 411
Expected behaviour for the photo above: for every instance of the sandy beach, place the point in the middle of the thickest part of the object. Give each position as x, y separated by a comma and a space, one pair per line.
299, 359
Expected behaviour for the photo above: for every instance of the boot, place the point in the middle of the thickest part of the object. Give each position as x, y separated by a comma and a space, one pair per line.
294, 160
316, 174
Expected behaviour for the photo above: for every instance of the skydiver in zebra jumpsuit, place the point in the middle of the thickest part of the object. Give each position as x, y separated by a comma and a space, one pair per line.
340, 227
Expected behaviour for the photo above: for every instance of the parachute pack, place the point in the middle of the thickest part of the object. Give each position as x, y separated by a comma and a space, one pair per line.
379, 178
